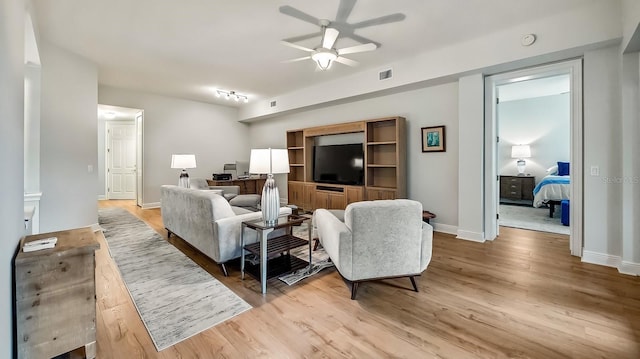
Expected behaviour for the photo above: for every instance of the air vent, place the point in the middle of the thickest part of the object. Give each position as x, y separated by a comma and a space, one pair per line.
386, 74
272, 104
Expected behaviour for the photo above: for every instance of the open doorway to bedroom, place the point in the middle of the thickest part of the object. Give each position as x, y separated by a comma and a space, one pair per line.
524, 143
534, 131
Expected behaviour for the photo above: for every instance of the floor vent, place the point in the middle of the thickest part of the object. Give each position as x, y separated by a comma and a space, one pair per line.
386, 74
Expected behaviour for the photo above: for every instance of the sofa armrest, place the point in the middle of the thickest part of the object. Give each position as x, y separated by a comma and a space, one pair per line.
427, 246
336, 239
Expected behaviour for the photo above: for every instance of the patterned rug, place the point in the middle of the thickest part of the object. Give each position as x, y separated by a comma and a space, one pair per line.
175, 297
319, 256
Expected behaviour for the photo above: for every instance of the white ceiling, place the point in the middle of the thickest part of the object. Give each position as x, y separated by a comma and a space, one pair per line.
188, 48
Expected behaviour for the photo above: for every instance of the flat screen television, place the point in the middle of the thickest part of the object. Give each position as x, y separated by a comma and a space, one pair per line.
339, 164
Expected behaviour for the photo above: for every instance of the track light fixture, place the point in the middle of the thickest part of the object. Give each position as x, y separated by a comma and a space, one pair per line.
228, 95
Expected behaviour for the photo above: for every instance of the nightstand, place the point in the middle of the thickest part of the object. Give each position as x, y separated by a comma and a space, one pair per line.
517, 189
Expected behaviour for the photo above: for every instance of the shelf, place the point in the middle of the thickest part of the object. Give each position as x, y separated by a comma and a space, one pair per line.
296, 164
381, 188
381, 143
295, 148
381, 166
278, 244
276, 266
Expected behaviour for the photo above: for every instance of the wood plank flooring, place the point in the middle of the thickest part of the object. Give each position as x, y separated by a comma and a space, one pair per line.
520, 296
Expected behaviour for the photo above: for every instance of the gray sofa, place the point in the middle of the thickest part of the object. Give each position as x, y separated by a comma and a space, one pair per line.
207, 221
231, 193
376, 240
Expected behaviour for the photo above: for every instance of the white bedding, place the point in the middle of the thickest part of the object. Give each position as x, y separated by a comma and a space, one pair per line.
552, 192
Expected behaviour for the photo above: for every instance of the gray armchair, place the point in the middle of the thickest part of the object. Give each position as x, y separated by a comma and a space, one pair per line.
377, 240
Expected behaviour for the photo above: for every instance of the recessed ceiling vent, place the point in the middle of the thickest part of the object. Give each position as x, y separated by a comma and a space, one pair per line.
272, 104
386, 74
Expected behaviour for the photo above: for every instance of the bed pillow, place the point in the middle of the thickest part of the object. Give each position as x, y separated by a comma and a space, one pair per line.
563, 168
553, 170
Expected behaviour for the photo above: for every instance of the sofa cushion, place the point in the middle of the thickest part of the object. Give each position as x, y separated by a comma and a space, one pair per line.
240, 210
245, 200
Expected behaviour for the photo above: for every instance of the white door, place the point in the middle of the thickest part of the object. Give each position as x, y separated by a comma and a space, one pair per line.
139, 151
121, 160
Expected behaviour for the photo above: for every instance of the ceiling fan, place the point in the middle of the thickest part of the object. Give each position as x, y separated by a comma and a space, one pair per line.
326, 54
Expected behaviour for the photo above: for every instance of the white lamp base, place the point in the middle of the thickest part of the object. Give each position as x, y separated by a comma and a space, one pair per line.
521, 165
270, 203
184, 179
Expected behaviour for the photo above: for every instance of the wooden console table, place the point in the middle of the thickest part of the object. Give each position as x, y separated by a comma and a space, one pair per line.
247, 185
56, 295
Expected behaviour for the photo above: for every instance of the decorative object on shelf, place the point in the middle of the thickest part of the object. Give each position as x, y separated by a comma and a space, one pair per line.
228, 95
433, 139
183, 162
521, 152
269, 161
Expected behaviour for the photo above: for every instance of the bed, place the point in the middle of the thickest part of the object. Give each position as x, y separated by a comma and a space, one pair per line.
551, 191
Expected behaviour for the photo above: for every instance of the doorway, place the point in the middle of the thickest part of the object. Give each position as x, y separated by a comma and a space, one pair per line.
573, 70
121, 152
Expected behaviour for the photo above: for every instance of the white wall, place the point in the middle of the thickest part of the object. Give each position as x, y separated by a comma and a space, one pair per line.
173, 126
544, 123
32, 90
11, 158
68, 140
602, 148
432, 177
630, 19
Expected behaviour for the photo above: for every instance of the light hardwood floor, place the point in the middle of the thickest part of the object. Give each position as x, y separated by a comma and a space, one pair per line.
520, 296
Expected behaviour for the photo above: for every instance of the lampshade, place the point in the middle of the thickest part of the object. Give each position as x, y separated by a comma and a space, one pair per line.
269, 161
521, 151
183, 161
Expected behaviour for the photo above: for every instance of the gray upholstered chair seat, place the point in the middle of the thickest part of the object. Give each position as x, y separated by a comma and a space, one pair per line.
376, 239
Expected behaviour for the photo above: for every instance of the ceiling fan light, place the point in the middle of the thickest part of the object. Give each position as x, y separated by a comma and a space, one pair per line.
324, 58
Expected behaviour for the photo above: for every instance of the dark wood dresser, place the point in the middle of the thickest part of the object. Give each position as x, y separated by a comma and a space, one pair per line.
517, 189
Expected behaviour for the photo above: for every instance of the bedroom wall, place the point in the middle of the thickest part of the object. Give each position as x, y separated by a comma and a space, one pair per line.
172, 126
68, 140
542, 122
11, 160
432, 177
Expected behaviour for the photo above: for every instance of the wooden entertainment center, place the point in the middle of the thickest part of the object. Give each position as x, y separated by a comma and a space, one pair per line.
385, 152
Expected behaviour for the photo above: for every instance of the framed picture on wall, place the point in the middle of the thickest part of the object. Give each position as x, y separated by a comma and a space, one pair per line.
433, 139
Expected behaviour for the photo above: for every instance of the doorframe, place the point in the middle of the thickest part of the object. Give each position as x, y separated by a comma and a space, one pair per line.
107, 136
573, 68
139, 123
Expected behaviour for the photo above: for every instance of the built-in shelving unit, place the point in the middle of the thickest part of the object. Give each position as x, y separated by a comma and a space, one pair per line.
385, 164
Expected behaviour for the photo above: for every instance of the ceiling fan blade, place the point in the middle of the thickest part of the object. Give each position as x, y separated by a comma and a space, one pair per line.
296, 60
330, 36
380, 20
296, 46
288, 10
358, 48
346, 6
344, 60
303, 37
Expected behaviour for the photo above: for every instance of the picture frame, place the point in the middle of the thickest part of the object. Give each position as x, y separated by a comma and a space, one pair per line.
433, 139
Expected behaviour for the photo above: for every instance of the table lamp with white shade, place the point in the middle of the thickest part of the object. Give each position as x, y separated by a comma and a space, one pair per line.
269, 161
183, 162
521, 152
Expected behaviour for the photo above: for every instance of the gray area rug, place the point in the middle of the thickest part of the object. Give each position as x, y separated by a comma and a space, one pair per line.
536, 219
175, 297
320, 258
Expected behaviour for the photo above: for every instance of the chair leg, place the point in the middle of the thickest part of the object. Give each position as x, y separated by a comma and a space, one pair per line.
224, 270
168, 233
316, 243
413, 281
354, 290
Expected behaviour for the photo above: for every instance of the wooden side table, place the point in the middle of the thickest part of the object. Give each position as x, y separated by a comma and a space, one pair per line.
426, 216
56, 295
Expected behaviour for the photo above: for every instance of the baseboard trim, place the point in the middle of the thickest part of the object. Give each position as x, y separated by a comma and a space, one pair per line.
607, 260
101, 197
151, 205
471, 236
444, 228
629, 268
95, 227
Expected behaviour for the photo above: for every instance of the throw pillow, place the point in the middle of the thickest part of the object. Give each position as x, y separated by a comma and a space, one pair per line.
563, 168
